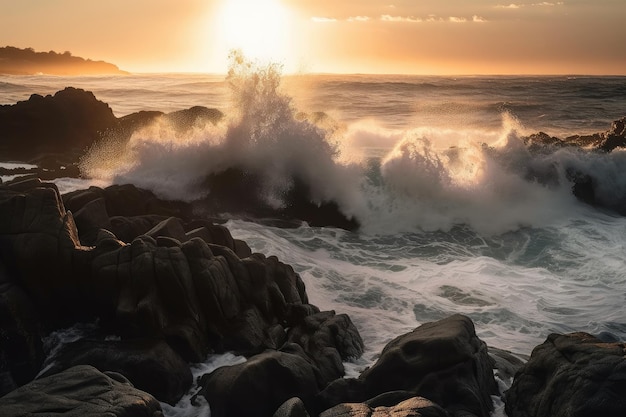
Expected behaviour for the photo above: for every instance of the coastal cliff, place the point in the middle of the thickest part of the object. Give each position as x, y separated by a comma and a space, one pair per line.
16, 61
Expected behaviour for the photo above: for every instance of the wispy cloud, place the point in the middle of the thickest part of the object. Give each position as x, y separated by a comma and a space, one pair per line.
519, 6
359, 19
401, 19
406, 19
318, 19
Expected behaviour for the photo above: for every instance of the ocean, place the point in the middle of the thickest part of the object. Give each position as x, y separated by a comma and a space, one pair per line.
434, 169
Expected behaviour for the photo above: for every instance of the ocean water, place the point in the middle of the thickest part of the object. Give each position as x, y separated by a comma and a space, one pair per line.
433, 168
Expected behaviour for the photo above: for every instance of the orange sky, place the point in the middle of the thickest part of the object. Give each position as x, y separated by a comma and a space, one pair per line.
354, 36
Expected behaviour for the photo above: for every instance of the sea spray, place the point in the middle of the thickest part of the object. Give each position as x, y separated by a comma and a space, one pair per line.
264, 136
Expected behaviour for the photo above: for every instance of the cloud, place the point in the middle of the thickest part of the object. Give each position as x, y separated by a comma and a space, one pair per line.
318, 19
407, 19
478, 19
359, 19
547, 3
518, 6
455, 19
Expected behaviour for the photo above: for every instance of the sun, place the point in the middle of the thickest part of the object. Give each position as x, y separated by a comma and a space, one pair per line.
259, 28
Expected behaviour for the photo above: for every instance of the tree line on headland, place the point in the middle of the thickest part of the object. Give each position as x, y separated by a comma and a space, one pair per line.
16, 61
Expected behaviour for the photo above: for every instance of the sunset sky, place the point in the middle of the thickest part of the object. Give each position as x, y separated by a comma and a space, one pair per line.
353, 36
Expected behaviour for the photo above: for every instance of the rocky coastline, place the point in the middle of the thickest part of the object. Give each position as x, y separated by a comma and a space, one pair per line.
162, 288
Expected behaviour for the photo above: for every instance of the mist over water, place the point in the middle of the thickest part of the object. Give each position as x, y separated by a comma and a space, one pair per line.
458, 216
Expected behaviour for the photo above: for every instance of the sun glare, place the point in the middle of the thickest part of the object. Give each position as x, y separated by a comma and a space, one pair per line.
259, 28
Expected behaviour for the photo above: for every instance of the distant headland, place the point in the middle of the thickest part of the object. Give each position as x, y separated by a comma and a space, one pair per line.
16, 61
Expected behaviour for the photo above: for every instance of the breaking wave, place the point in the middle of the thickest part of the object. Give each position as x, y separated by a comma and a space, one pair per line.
390, 180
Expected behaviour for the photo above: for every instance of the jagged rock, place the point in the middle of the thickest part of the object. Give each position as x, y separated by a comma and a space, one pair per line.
505, 363
193, 117
241, 193
89, 219
69, 121
413, 407
573, 375
169, 285
328, 340
39, 245
615, 137
150, 365
293, 407
443, 361
259, 386
21, 352
80, 391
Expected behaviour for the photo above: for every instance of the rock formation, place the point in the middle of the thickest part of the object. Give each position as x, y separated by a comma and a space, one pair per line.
573, 375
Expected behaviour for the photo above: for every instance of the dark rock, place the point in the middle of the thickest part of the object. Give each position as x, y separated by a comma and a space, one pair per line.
38, 245
70, 121
89, 219
21, 352
505, 363
170, 227
293, 407
128, 228
343, 390
615, 137
150, 365
193, 117
80, 391
328, 340
241, 193
574, 375
443, 361
169, 285
148, 291
259, 386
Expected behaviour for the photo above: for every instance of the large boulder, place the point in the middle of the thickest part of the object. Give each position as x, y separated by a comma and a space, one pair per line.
443, 361
573, 375
150, 365
70, 121
40, 249
80, 391
239, 191
258, 387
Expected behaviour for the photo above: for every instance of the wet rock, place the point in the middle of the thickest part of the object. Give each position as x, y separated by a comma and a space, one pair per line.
573, 375
328, 340
21, 351
293, 407
443, 361
68, 121
258, 387
80, 391
150, 365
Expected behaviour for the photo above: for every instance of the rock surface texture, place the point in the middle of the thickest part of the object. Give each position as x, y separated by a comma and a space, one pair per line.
572, 375
78, 392
175, 290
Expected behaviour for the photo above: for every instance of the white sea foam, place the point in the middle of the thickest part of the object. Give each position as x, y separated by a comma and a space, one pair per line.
191, 404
